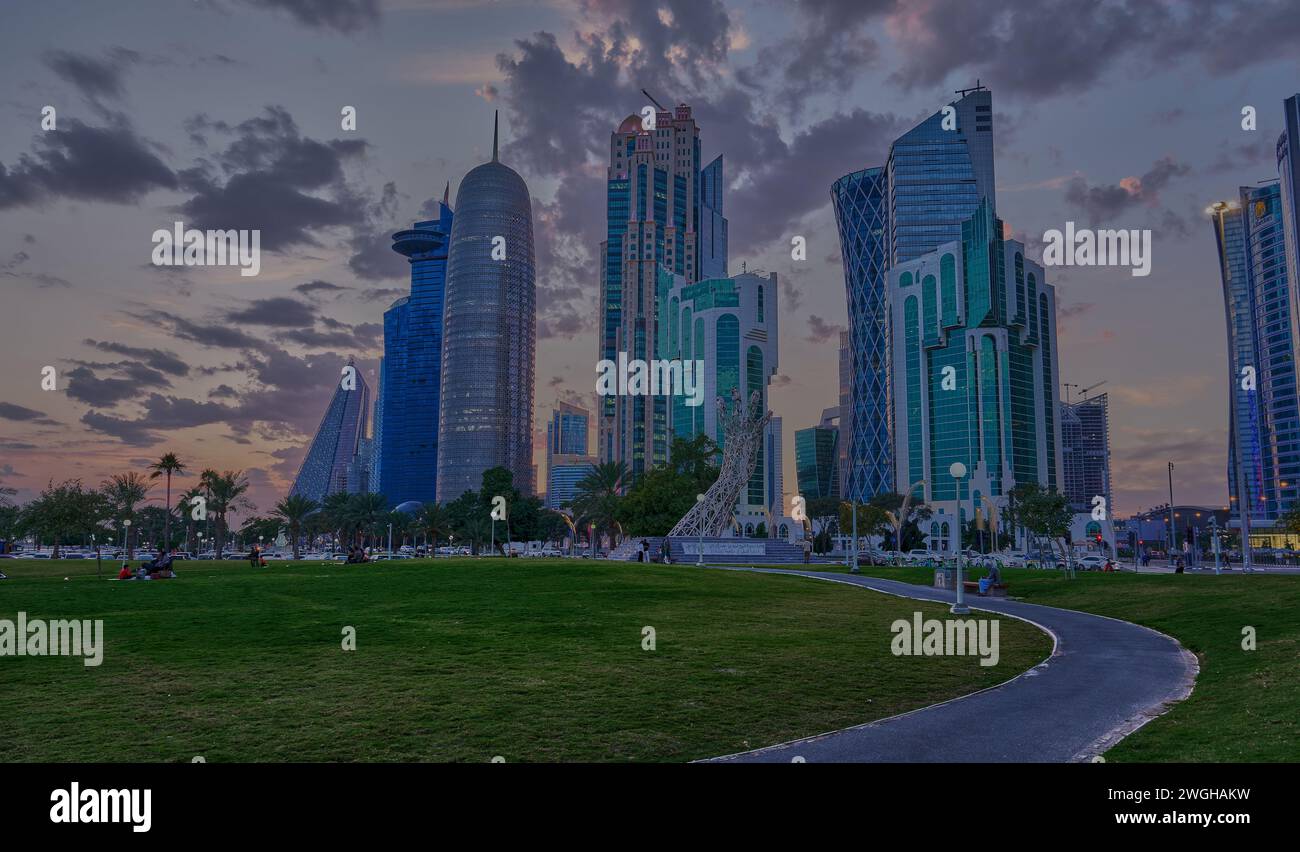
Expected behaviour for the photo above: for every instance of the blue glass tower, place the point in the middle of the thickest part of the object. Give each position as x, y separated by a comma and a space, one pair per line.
862, 216
338, 438
713, 225
411, 370
1288, 169
489, 334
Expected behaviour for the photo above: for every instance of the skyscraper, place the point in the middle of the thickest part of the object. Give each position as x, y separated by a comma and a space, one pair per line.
842, 419
411, 370
975, 374
935, 177
816, 457
862, 216
1261, 306
489, 334
713, 225
567, 461
338, 438
653, 217
1288, 169
1085, 453
730, 324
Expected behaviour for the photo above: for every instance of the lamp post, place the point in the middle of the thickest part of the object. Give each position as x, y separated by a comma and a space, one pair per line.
958, 471
699, 557
1173, 530
855, 569
1214, 532
390, 541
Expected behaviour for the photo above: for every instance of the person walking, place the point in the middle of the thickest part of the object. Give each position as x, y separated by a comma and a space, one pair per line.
807, 551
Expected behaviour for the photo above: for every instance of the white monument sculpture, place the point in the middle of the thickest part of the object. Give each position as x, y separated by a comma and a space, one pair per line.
742, 435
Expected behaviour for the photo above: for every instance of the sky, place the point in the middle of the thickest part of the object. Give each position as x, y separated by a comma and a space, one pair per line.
227, 113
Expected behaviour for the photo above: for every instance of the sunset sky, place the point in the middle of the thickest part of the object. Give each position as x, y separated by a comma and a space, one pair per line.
227, 113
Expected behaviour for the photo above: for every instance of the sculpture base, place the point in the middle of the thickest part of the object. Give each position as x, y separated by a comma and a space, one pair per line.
735, 551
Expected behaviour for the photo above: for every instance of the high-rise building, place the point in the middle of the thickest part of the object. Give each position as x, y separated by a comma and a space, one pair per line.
975, 374
1288, 169
411, 370
713, 225
842, 418
489, 334
338, 438
861, 202
774, 478
567, 461
935, 177
816, 456
730, 324
1085, 453
1261, 308
653, 215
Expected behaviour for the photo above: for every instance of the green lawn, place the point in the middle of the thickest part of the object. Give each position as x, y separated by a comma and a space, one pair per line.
1246, 704
462, 660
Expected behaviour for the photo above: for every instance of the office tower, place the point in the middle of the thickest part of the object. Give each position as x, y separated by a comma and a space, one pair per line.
360, 468
652, 214
932, 181
861, 204
975, 374
774, 480
1288, 169
411, 370
567, 460
489, 334
377, 429
324, 469
729, 324
1085, 453
816, 455
1260, 306
713, 225
842, 417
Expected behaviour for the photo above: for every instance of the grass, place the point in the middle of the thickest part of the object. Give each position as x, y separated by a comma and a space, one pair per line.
462, 660
1246, 704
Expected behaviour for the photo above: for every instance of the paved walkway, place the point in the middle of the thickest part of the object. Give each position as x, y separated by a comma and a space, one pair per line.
1104, 680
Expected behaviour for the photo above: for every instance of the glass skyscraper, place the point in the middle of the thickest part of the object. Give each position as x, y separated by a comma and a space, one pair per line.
713, 225
411, 370
338, 440
1264, 419
933, 181
567, 461
1085, 452
489, 334
975, 374
816, 457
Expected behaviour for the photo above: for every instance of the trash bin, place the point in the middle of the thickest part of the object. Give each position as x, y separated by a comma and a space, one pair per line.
985, 583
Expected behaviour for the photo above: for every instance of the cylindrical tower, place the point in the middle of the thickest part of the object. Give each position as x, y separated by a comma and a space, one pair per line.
489, 334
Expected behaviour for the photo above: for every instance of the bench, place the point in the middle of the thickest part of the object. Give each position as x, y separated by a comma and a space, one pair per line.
997, 590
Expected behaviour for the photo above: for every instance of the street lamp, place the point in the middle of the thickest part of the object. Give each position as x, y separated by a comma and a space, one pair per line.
126, 536
855, 569
958, 471
390, 541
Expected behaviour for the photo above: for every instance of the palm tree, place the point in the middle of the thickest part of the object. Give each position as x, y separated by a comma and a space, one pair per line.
226, 492
292, 510
365, 512
334, 512
125, 491
185, 506
432, 521
168, 464
598, 494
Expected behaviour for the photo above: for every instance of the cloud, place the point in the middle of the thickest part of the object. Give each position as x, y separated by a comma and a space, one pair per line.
1102, 203
344, 16
11, 411
832, 46
487, 92
130, 432
164, 361
278, 311
84, 385
819, 331
96, 78
318, 286
84, 163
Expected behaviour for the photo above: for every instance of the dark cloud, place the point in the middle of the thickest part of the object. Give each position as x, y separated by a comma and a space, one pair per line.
383, 294
223, 391
164, 361
820, 331
345, 16
278, 311
319, 287
132, 378
96, 78
130, 432
832, 47
1101, 203
272, 178
10, 411
1242, 155
85, 163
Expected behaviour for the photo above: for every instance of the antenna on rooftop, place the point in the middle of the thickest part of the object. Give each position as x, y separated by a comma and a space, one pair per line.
653, 101
978, 88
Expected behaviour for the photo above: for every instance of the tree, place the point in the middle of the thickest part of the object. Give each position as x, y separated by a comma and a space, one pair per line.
63, 512
185, 504
260, 531
293, 510
825, 511
1046, 514
334, 516
168, 465
125, 491
432, 520
904, 516
225, 495
873, 519
598, 495
365, 513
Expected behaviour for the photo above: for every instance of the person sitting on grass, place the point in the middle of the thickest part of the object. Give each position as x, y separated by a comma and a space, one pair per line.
352, 555
254, 556
125, 573
142, 573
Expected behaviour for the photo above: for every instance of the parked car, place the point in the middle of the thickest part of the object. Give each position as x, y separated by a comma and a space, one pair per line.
918, 556
1091, 562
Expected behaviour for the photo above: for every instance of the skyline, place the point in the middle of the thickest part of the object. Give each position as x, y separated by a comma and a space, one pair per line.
233, 373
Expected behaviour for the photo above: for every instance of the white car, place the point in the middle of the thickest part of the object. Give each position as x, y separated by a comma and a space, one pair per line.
1090, 563
918, 555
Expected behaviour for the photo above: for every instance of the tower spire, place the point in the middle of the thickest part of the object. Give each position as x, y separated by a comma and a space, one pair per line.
446, 194
495, 119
